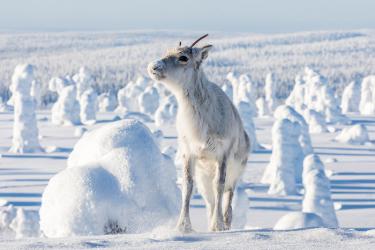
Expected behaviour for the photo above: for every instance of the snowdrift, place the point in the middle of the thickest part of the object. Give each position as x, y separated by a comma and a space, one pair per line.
356, 134
298, 220
117, 181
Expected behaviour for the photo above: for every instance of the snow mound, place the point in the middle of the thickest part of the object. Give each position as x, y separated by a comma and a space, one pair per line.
117, 181
298, 220
356, 134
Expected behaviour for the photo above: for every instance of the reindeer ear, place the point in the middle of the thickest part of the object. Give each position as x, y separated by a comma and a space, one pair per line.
204, 51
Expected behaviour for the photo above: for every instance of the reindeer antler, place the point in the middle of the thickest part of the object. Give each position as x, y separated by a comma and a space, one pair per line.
194, 43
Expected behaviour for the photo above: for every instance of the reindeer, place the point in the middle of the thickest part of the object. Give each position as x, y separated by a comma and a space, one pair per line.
211, 138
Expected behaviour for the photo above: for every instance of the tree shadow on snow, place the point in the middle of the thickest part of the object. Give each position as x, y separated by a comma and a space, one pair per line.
56, 157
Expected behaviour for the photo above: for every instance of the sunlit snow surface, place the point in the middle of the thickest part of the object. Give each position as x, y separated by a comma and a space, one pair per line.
23, 178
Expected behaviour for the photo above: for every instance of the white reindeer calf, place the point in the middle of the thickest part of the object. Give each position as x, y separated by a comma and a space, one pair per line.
211, 137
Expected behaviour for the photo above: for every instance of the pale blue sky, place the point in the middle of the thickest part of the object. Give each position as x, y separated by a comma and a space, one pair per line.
207, 15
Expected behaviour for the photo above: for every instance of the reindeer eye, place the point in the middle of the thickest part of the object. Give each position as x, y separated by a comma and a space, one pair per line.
183, 59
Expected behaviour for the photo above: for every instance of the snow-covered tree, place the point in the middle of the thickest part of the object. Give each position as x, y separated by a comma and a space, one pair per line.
83, 80
317, 196
66, 110
88, 104
316, 121
246, 113
228, 90
148, 101
262, 107
367, 103
351, 97
107, 102
166, 112
281, 172
296, 98
270, 90
25, 131
287, 112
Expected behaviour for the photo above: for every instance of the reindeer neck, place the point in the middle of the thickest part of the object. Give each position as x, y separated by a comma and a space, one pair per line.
195, 93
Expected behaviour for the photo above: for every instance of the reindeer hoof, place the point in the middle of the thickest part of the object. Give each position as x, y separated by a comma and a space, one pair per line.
184, 227
216, 227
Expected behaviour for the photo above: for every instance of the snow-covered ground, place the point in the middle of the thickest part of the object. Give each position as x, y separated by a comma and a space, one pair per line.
24, 177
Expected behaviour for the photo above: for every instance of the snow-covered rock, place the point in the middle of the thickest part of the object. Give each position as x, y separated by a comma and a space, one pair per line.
107, 102
66, 111
166, 113
367, 103
148, 101
88, 104
298, 220
356, 134
285, 164
117, 181
25, 131
317, 195
351, 97
316, 121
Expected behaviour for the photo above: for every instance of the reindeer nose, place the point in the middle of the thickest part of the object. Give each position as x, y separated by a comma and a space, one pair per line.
156, 69
157, 66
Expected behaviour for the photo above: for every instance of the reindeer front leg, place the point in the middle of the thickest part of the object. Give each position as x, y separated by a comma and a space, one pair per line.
217, 222
184, 224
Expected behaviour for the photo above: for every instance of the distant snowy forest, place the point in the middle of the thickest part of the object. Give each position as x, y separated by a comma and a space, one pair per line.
115, 58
